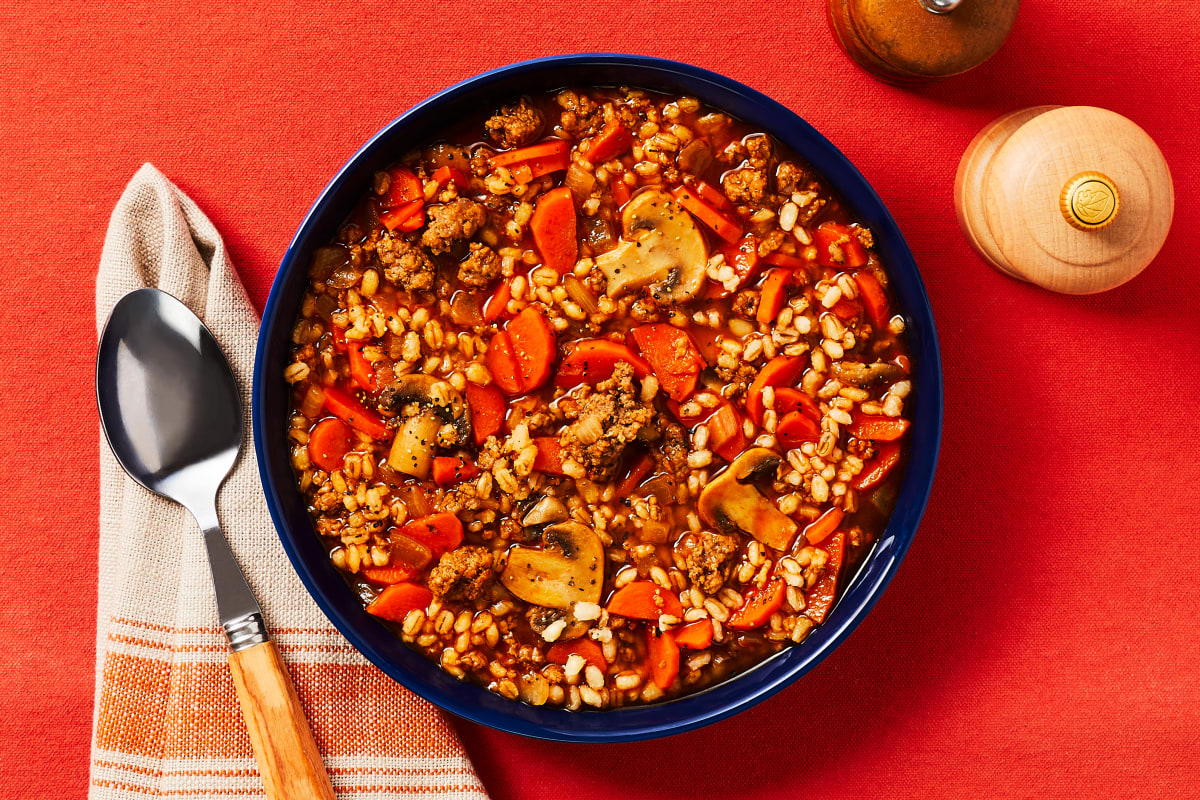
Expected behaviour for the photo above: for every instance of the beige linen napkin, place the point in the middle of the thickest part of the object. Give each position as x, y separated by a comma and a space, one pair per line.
167, 721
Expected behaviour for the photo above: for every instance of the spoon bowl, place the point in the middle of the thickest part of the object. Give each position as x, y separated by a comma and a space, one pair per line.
168, 401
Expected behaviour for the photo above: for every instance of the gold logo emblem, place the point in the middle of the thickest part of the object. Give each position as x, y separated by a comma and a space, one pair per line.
1090, 201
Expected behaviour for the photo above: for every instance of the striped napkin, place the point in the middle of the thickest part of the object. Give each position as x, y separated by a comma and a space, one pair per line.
167, 722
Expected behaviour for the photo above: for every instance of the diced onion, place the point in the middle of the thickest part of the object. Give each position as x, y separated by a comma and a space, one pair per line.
579, 181
313, 402
327, 259
581, 294
465, 310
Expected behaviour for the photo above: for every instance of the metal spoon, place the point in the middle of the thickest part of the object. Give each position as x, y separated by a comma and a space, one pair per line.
169, 408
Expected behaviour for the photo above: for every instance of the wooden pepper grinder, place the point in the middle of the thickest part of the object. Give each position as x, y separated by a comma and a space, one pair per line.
914, 41
1075, 199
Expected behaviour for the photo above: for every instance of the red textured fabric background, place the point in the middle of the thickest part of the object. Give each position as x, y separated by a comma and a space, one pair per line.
1040, 639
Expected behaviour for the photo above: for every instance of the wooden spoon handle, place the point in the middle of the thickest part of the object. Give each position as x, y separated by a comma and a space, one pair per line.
287, 755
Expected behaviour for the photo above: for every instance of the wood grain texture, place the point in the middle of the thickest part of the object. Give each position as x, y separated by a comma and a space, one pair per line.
1009, 187
968, 184
287, 754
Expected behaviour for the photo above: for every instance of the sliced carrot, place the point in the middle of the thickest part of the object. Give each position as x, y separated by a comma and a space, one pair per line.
774, 294
788, 400
779, 371
550, 147
441, 533
821, 596
758, 606
838, 246
348, 409
644, 600
361, 370
875, 470
797, 428
547, 164
673, 357
443, 175
695, 635
389, 575
407, 217
620, 191
497, 305
878, 429
502, 363
725, 435
535, 346
394, 602
778, 259
549, 455
874, 299
611, 142
521, 173
641, 467
586, 649
449, 470
328, 444
663, 654
714, 197
487, 410
593, 360
403, 187
820, 528
553, 229
720, 224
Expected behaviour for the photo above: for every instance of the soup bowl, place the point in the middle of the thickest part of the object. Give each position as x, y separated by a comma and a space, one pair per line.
308, 553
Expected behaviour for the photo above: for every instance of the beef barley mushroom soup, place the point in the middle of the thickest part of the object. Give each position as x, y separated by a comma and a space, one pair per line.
599, 399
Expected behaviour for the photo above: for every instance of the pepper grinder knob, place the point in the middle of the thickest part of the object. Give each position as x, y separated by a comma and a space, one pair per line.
1037, 197
941, 6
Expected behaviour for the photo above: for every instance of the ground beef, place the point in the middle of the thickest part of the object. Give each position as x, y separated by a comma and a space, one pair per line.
481, 266
745, 186
515, 125
790, 177
452, 223
403, 263
745, 304
581, 116
708, 562
461, 574
607, 419
758, 150
327, 501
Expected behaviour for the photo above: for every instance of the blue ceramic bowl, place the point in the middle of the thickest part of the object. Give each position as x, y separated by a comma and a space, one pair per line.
270, 405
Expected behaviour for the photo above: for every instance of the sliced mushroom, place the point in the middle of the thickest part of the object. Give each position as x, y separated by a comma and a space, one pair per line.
732, 502
545, 511
662, 249
567, 569
415, 443
866, 374
436, 395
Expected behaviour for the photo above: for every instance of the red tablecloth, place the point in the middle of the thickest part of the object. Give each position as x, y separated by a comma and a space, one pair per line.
1039, 640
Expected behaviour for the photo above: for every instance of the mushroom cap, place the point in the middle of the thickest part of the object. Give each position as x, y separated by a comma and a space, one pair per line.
438, 396
662, 249
567, 569
732, 503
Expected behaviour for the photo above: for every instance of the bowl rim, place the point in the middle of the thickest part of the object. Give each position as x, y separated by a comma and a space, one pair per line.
747, 688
